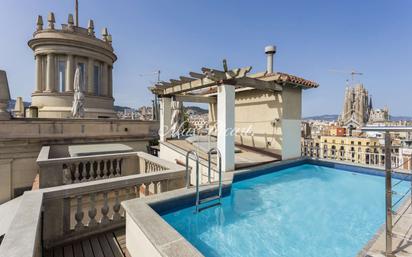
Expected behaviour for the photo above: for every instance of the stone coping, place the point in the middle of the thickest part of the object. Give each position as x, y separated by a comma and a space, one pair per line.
142, 211
83, 120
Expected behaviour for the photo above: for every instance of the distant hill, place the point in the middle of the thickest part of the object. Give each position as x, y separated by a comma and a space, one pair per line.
118, 108
196, 110
327, 117
334, 117
397, 118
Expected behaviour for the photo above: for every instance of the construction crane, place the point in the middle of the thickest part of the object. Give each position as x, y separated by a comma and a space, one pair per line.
155, 101
155, 73
352, 73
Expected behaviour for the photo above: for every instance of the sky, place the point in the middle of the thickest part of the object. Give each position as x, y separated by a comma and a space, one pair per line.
312, 38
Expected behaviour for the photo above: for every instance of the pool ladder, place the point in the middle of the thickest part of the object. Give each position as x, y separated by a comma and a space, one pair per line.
218, 196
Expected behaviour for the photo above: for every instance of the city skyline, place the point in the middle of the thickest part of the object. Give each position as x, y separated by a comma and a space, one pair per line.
338, 36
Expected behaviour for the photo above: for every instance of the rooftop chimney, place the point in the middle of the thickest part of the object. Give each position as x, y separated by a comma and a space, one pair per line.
270, 51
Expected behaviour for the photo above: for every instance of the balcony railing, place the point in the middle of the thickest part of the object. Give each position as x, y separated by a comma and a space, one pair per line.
57, 215
358, 157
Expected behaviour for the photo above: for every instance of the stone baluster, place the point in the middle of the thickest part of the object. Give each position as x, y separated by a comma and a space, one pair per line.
147, 166
137, 195
105, 210
76, 173
93, 171
100, 169
78, 216
82, 172
155, 186
105, 169
88, 171
146, 189
116, 207
92, 211
111, 169
118, 170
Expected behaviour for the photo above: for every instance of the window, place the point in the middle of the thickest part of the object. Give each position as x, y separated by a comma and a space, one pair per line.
96, 79
62, 75
352, 142
82, 76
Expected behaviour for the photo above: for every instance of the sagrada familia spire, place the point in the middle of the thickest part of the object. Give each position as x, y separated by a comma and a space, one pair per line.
357, 107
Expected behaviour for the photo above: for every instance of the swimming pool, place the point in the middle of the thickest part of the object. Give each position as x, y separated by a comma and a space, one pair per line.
307, 210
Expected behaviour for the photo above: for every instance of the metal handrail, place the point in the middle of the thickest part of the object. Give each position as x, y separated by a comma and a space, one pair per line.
188, 169
215, 150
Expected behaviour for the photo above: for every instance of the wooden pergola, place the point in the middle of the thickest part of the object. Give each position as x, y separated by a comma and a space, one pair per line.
210, 78
219, 89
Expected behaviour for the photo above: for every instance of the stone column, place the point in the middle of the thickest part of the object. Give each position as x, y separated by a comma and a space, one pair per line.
226, 125
50, 79
104, 84
39, 74
165, 118
110, 81
90, 77
69, 73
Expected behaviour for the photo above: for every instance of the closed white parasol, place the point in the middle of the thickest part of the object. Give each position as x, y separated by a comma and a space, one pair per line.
78, 102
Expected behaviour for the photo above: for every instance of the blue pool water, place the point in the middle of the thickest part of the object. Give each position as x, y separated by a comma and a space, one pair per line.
306, 210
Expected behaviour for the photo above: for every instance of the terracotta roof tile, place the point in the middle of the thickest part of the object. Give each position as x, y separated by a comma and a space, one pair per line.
284, 77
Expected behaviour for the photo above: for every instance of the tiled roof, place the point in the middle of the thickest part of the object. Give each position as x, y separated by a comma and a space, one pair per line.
284, 77
278, 77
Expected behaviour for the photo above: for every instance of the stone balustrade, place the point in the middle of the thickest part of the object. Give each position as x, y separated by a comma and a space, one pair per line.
70, 212
71, 170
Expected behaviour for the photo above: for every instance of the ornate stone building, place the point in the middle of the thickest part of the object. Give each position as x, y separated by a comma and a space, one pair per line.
379, 115
57, 53
356, 107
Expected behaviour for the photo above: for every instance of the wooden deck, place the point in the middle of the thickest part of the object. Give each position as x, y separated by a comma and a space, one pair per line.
248, 157
109, 244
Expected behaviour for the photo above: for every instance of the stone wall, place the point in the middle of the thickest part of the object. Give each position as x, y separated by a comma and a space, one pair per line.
22, 139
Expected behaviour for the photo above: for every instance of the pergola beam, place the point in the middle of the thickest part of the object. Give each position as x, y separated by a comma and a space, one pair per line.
197, 75
195, 99
186, 79
258, 84
212, 77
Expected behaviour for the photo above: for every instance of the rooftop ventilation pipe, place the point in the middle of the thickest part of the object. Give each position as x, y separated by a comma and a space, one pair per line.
270, 52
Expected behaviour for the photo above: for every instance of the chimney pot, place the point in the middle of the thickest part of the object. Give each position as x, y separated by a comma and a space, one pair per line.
270, 52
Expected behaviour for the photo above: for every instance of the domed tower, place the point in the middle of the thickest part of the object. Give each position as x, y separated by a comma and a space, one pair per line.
57, 53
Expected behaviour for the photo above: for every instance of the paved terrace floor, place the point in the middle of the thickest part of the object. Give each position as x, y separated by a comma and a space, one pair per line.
402, 239
109, 244
247, 157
